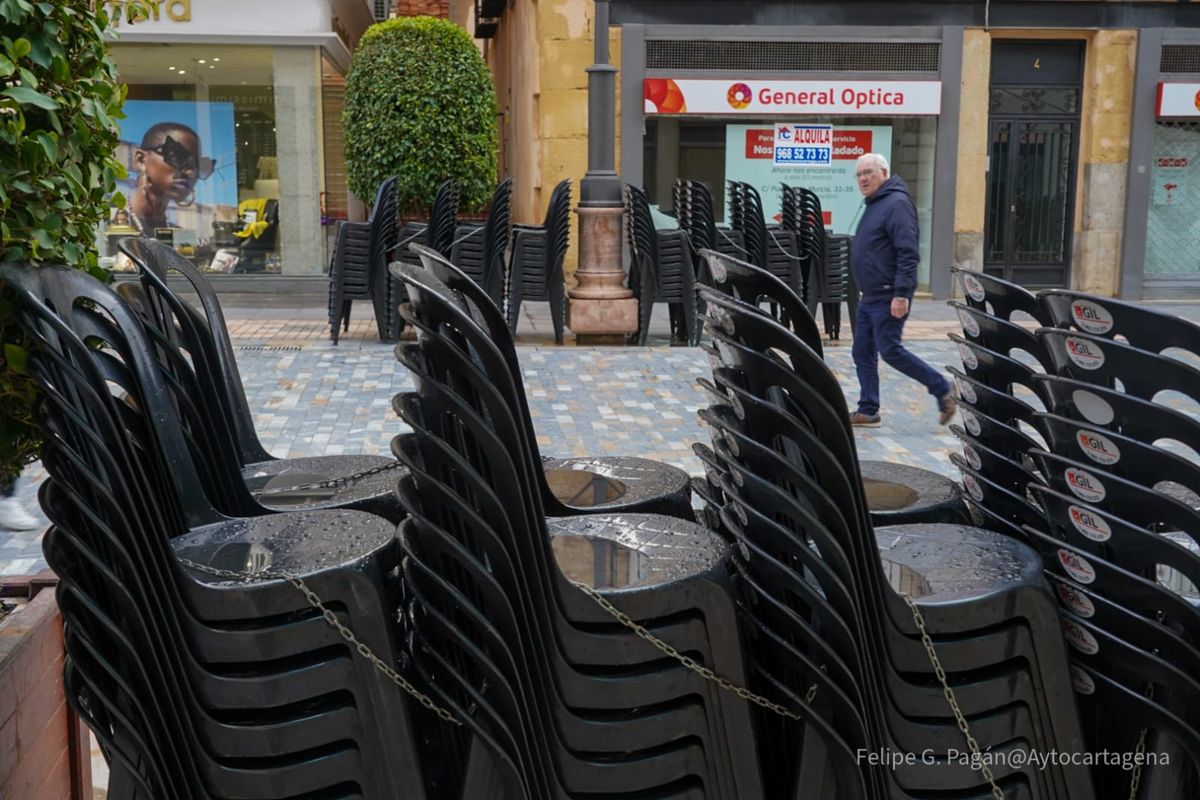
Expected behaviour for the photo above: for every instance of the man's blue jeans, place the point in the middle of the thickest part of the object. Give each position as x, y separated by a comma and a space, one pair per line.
877, 333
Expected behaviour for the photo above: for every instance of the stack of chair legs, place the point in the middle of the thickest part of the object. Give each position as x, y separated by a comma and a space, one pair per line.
439, 232
557, 698
479, 250
663, 269
837, 280
825, 597
194, 684
357, 268
535, 268
1072, 466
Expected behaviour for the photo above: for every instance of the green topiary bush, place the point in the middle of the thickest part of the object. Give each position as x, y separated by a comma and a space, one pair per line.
59, 95
420, 105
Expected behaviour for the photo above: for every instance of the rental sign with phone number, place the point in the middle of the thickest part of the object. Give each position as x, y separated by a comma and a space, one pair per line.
803, 144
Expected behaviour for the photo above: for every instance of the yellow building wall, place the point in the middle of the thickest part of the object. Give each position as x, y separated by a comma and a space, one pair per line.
539, 58
1106, 114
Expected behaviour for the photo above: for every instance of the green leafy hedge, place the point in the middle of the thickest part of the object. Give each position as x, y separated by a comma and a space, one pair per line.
59, 95
420, 105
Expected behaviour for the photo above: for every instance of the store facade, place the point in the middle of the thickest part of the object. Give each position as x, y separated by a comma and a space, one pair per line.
712, 101
1161, 257
227, 137
1035, 164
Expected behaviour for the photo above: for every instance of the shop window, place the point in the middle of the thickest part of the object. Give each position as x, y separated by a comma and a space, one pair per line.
1173, 224
714, 151
198, 141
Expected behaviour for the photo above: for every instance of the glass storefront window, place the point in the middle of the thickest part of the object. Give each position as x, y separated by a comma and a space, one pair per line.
715, 150
1173, 223
198, 141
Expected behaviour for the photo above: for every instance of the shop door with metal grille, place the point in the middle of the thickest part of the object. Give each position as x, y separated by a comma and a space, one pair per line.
1033, 142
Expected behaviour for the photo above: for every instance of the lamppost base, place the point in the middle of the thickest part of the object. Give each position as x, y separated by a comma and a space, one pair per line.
600, 303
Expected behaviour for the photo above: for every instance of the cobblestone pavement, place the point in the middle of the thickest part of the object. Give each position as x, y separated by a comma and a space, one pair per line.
311, 398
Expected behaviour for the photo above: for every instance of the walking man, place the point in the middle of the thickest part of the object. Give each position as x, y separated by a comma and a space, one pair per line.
884, 260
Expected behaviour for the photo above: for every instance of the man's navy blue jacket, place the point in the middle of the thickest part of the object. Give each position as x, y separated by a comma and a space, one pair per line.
884, 255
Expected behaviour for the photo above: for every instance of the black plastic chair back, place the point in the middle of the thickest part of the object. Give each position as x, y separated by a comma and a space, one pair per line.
1142, 327
998, 297
1095, 359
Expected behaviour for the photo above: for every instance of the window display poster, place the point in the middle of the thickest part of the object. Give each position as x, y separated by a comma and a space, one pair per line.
750, 157
1170, 180
181, 159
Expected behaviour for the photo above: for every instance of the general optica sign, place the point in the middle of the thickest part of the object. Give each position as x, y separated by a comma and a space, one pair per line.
758, 97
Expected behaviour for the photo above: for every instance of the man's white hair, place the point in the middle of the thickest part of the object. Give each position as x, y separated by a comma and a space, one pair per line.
876, 159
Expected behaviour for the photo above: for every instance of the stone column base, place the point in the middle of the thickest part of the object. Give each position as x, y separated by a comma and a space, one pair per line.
614, 316
600, 304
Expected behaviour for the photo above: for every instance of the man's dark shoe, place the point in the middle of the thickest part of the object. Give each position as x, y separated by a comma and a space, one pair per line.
861, 420
947, 406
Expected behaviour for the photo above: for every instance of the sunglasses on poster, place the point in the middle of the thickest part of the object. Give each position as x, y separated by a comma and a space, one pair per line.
179, 157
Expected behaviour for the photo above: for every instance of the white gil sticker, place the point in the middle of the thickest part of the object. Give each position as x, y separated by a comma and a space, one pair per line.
973, 488
1097, 446
970, 420
1084, 353
1089, 525
1091, 317
972, 457
1086, 486
1076, 566
1082, 681
1080, 638
968, 322
973, 288
967, 392
1073, 598
970, 361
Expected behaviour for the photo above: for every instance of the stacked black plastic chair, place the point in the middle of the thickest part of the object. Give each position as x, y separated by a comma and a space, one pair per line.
1001, 398
803, 214
835, 288
198, 685
535, 270
479, 249
663, 270
195, 350
357, 270
896, 493
1112, 513
588, 484
831, 635
772, 247
697, 215
558, 697
438, 232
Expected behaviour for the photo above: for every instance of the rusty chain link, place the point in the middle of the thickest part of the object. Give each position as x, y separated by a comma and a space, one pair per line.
691, 663
330, 483
398, 679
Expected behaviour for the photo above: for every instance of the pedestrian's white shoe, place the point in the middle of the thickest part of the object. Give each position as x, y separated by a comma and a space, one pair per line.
15, 518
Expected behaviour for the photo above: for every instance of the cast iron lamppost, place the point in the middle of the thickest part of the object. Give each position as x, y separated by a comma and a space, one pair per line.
600, 304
